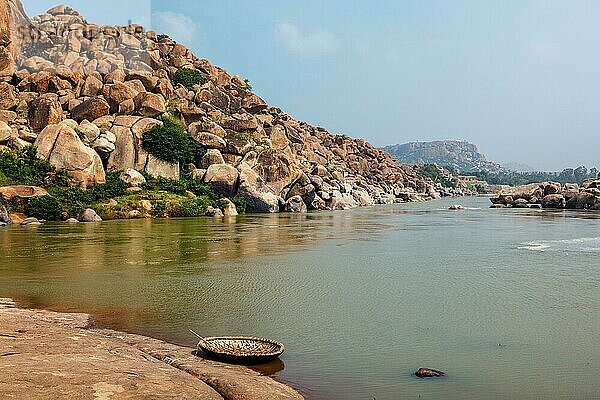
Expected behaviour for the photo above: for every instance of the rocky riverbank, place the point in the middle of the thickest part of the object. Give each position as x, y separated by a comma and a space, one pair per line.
551, 195
99, 99
53, 355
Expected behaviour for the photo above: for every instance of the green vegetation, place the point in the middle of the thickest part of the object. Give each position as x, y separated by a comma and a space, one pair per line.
241, 204
248, 85
44, 207
434, 173
159, 197
172, 143
569, 175
188, 77
161, 37
24, 167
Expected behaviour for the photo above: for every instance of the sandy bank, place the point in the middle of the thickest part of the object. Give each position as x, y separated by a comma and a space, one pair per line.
50, 355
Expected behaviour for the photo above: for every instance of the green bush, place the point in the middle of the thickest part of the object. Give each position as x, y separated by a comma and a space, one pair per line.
166, 185
200, 189
44, 207
188, 77
432, 172
241, 204
187, 207
24, 167
172, 143
161, 37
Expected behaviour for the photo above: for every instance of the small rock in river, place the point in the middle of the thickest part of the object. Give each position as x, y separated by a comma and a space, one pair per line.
456, 207
429, 373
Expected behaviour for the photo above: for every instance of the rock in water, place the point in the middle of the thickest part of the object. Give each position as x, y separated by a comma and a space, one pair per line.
456, 207
4, 217
90, 215
429, 373
30, 222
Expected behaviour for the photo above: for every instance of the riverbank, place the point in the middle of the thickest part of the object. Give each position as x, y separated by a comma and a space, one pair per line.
55, 355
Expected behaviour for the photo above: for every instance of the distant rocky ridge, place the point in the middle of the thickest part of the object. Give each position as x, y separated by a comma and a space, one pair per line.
460, 155
85, 94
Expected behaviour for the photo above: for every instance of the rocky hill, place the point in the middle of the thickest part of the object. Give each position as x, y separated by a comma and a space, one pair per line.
461, 155
87, 96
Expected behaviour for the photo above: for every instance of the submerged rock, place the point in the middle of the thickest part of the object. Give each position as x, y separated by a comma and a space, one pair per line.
30, 222
90, 215
429, 373
4, 217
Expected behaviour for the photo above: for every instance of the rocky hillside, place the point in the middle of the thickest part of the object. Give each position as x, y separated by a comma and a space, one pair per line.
86, 95
460, 155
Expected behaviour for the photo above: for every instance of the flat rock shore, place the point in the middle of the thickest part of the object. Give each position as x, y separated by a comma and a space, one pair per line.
50, 355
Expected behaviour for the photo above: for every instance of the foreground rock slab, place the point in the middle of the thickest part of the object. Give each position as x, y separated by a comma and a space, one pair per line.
49, 355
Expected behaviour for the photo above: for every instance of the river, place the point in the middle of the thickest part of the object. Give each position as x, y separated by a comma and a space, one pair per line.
506, 301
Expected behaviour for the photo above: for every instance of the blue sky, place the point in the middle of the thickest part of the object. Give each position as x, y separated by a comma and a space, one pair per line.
519, 78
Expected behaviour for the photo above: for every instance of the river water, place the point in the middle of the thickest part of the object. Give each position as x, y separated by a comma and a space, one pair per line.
507, 302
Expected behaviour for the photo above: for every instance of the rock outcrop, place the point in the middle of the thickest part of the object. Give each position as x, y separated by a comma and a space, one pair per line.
551, 195
85, 94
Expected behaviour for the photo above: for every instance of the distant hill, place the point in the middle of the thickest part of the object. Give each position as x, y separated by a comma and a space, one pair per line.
461, 155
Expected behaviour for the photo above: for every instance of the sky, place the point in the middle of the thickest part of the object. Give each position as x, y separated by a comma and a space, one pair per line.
519, 78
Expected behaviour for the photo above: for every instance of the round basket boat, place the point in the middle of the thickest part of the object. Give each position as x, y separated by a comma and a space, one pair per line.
241, 349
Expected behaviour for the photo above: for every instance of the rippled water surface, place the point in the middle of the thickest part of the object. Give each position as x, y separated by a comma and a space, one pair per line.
507, 302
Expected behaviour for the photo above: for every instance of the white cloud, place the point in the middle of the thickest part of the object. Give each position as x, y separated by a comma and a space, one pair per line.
305, 43
179, 27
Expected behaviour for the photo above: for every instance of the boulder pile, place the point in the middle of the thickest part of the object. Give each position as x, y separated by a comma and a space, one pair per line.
551, 195
85, 94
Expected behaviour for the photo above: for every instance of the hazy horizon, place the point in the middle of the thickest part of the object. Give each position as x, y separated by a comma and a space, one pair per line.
516, 78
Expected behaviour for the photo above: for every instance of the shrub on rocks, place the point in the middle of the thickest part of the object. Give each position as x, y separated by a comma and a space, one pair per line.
188, 77
170, 142
24, 167
241, 204
44, 207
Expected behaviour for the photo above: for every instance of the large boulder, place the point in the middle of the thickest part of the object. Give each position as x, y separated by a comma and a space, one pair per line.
132, 177
123, 155
363, 198
5, 132
22, 191
210, 141
13, 22
527, 192
60, 145
45, 110
4, 217
8, 96
342, 201
211, 157
295, 204
89, 215
150, 104
223, 178
90, 109
277, 169
259, 196
160, 168
553, 201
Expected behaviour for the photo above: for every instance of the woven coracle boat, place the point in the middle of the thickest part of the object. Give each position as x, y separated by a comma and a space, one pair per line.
240, 349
